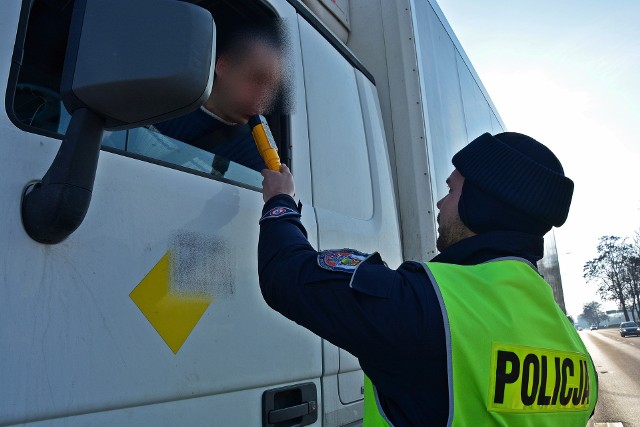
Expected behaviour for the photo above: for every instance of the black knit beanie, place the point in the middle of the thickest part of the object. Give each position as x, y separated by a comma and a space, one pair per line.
512, 183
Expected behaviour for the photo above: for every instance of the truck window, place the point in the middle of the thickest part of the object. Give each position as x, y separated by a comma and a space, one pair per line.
219, 146
339, 154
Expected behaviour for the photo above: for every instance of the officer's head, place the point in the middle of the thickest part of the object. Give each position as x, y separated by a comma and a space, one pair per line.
506, 182
249, 72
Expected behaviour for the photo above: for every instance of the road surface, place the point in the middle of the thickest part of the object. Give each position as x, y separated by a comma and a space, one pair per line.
617, 361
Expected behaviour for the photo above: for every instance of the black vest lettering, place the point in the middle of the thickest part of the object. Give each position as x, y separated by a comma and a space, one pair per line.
567, 370
585, 393
502, 376
530, 361
577, 394
556, 386
543, 399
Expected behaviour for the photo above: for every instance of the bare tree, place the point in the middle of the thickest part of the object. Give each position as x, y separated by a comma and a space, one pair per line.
633, 274
592, 313
610, 270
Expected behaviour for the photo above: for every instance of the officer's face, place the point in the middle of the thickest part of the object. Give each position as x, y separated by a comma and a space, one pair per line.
450, 227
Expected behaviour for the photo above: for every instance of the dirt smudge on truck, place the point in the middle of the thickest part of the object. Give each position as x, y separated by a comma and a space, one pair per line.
201, 265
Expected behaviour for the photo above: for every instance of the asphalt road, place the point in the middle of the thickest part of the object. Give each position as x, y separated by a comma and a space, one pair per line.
617, 361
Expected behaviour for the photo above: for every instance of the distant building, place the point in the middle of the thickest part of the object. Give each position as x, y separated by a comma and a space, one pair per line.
550, 268
615, 317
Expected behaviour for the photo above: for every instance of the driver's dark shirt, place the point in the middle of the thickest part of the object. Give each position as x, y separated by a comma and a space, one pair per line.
232, 142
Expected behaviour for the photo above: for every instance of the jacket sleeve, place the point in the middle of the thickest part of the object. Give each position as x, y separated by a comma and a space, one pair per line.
371, 312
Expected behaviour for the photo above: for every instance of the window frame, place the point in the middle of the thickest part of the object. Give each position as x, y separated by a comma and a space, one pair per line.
284, 121
360, 142
308, 16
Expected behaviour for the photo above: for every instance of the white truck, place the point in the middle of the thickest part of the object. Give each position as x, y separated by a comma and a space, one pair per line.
136, 302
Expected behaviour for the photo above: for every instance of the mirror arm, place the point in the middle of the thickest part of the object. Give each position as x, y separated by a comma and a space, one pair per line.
55, 206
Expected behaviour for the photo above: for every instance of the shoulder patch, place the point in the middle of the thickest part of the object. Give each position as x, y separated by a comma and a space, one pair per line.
345, 260
278, 212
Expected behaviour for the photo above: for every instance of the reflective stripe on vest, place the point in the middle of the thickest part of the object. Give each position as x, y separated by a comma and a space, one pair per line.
373, 414
513, 358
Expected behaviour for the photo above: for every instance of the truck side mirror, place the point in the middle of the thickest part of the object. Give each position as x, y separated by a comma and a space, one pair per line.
128, 63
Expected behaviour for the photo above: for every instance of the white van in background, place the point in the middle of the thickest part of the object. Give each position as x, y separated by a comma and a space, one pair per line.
149, 312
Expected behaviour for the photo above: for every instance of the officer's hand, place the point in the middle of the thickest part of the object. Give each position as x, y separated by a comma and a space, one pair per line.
275, 183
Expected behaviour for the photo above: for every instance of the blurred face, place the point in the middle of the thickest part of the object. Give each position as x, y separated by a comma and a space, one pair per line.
451, 229
246, 86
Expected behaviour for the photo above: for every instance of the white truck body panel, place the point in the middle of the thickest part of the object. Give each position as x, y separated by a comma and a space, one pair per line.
432, 104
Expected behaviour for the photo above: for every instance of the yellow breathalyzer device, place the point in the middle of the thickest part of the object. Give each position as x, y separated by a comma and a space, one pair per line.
265, 142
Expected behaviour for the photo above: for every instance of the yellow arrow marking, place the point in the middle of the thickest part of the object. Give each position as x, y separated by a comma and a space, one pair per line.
172, 315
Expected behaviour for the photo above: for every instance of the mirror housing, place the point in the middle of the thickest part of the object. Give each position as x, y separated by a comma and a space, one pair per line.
128, 64
138, 62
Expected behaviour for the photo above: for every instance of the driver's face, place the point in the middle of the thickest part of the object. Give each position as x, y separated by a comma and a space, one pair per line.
247, 86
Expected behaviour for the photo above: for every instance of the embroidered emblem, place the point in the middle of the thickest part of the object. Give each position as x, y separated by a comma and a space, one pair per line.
345, 260
278, 212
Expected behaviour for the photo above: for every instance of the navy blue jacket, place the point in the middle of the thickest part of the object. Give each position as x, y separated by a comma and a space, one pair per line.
389, 319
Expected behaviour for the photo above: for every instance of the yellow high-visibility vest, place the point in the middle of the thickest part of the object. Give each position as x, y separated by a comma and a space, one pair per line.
513, 358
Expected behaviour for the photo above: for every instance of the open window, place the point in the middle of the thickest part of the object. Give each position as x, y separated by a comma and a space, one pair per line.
34, 102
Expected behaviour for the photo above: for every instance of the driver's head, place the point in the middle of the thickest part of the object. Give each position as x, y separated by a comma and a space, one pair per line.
248, 74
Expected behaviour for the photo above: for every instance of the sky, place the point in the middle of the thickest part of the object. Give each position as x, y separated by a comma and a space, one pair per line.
567, 73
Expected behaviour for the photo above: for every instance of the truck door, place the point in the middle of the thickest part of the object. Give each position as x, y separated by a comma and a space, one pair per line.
352, 189
150, 313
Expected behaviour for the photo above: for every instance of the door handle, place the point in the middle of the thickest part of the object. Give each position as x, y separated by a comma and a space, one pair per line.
292, 412
290, 406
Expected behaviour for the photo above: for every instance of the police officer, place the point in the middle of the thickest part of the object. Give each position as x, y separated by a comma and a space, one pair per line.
471, 338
